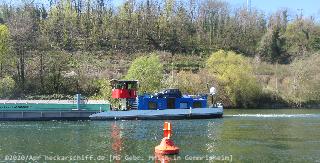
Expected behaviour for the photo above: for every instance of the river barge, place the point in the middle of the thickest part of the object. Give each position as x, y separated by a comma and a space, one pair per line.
167, 104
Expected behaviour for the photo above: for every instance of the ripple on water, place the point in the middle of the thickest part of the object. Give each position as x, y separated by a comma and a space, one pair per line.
276, 115
248, 136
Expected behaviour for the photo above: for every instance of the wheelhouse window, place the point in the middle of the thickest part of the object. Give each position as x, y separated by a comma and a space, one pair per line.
124, 84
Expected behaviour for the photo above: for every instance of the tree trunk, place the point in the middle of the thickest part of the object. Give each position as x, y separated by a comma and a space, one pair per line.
22, 73
41, 73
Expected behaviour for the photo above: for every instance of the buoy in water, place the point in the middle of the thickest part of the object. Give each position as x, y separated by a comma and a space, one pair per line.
167, 146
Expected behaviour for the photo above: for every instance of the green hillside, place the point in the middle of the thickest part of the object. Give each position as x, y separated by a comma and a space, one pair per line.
70, 46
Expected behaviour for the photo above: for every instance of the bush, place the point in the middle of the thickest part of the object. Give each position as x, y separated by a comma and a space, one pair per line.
189, 82
236, 81
105, 91
7, 86
148, 71
303, 84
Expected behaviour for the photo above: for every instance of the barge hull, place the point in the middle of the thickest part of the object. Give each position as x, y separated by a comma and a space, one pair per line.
167, 114
45, 115
163, 117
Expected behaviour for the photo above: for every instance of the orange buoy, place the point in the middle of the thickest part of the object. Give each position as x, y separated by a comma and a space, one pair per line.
167, 129
167, 145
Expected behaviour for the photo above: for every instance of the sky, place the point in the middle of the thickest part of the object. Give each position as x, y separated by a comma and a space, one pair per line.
309, 7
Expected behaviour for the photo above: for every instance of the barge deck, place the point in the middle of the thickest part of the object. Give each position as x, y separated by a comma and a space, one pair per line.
37, 110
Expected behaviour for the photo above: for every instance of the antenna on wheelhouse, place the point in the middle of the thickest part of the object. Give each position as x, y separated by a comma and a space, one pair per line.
248, 5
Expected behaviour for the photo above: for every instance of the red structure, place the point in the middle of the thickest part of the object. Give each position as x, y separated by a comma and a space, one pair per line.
126, 91
124, 88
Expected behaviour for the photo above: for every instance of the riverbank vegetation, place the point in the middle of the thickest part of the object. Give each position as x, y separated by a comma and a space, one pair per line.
70, 46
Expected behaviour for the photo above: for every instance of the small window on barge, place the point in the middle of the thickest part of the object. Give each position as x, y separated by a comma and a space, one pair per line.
183, 105
197, 104
152, 105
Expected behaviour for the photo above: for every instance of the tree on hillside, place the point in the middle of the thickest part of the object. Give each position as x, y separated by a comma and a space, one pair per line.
148, 71
189, 82
4, 46
23, 29
300, 36
235, 78
271, 46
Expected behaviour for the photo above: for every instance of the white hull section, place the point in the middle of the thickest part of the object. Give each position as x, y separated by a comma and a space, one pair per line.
195, 113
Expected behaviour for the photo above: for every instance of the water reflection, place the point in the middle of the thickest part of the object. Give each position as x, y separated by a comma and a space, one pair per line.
116, 140
213, 134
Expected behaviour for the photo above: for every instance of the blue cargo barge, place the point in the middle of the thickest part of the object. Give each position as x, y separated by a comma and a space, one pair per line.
167, 104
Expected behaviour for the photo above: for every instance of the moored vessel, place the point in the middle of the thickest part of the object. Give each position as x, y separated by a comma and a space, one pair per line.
167, 104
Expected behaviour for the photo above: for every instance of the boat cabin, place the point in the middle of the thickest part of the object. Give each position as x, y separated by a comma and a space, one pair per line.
170, 99
126, 92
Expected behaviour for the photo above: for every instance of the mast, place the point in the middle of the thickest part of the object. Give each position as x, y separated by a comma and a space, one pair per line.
248, 5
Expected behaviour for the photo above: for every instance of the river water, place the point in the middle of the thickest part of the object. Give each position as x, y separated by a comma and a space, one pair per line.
286, 135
